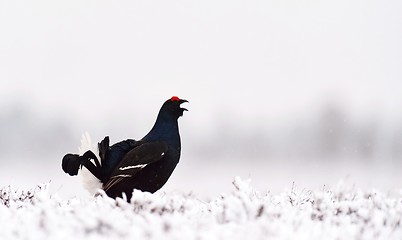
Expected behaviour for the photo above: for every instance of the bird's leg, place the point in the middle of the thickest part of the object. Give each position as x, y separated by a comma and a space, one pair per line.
97, 170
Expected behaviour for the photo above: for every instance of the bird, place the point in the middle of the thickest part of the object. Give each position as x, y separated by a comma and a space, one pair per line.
144, 164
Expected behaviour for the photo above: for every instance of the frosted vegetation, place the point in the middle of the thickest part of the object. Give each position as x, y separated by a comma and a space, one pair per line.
340, 213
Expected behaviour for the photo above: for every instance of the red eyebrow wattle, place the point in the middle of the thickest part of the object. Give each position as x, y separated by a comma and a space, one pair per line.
175, 98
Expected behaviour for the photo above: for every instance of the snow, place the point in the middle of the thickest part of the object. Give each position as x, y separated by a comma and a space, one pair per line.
340, 213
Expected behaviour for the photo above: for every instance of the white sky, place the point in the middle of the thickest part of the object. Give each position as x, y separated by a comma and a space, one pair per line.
256, 59
105, 62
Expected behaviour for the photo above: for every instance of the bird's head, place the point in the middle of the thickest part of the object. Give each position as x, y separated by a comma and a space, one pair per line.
172, 107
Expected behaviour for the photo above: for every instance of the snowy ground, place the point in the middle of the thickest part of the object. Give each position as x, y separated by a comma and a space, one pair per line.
340, 213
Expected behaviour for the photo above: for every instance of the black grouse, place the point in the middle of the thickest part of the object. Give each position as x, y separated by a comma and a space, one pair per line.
145, 164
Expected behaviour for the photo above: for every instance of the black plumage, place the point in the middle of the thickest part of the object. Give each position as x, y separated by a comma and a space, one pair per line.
145, 164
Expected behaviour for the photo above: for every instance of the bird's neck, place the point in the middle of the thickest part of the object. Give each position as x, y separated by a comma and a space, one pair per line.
164, 129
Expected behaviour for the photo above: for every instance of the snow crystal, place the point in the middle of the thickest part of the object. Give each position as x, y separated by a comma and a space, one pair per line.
342, 213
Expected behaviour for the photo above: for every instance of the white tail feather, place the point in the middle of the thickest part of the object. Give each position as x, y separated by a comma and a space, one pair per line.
89, 181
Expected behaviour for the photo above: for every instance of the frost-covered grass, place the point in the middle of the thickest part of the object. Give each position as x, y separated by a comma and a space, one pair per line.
341, 213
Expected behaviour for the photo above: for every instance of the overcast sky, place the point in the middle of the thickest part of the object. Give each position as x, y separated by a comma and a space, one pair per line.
253, 59
107, 66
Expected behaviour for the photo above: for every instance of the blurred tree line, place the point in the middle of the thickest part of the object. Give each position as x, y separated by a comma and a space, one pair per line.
328, 134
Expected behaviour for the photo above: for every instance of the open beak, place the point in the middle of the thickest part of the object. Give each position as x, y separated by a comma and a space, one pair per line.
183, 101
